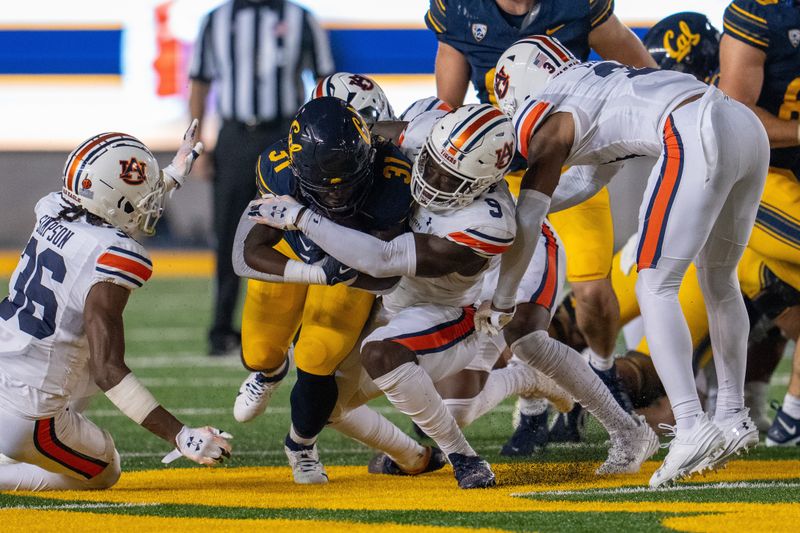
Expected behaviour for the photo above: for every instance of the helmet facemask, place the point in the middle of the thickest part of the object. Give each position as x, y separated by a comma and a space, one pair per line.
436, 187
151, 207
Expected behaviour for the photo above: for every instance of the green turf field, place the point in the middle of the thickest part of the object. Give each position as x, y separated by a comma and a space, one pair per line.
165, 337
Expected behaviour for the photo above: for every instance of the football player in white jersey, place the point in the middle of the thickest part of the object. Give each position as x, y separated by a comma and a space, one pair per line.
61, 325
711, 161
425, 333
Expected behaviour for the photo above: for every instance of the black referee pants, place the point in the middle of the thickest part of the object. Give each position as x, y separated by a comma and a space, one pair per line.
235, 157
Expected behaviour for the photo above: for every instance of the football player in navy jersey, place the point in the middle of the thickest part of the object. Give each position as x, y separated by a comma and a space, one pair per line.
333, 164
760, 66
472, 35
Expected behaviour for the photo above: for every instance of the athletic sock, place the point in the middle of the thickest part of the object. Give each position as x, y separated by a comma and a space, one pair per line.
272, 376
567, 368
300, 441
599, 362
532, 406
312, 401
411, 391
791, 405
374, 430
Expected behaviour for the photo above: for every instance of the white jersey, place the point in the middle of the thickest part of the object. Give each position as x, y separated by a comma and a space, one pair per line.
487, 226
43, 346
618, 111
421, 116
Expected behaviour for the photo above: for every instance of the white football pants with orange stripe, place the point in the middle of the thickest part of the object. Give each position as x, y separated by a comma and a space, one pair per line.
63, 452
699, 206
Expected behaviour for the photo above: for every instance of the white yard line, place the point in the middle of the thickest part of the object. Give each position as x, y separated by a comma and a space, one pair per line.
192, 382
182, 359
159, 333
677, 488
59, 507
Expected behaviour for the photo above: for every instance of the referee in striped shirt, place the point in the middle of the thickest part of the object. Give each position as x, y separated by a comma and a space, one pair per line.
254, 52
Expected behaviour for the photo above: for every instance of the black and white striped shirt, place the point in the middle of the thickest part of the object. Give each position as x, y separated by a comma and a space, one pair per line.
256, 52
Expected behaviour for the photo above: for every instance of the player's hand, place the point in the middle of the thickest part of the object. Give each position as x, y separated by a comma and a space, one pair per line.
281, 212
205, 445
337, 272
491, 321
175, 173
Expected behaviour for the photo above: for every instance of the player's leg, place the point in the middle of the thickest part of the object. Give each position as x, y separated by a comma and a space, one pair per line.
420, 345
785, 429
776, 234
333, 318
63, 452
270, 318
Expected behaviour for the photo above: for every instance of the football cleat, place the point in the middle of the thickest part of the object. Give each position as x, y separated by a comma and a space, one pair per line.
741, 435
785, 430
255, 392
630, 448
688, 448
569, 427
471, 471
530, 436
383, 464
306, 466
611, 380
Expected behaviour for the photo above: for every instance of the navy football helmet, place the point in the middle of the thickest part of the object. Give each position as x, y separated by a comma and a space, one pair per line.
331, 153
685, 42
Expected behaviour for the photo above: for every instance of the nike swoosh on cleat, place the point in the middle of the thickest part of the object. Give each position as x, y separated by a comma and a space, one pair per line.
787, 427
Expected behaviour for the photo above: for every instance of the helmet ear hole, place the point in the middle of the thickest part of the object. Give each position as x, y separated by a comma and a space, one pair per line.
128, 208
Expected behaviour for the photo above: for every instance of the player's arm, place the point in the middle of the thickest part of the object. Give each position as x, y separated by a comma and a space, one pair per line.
259, 251
452, 74
547, 151
105, 333
390, 130
614, 40
742, 78
408, 254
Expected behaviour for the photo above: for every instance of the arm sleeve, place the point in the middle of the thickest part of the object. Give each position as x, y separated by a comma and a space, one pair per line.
316, 47
363, 252
486, 242
436, 18
125, 263
745, 21
600, 11
202, 67
531, 210
240, 267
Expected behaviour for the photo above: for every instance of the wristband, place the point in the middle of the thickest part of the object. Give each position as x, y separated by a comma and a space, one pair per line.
299, 272
132, 398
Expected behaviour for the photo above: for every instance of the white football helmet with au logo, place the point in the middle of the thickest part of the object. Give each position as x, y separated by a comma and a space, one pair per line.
116, 177
525, 69
467, 151
359, 91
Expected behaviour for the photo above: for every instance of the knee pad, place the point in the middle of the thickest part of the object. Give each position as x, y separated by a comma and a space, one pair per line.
312, 399
540, 351
258, 355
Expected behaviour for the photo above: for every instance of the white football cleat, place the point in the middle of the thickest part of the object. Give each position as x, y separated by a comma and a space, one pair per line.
306, 466
741, 434
687, 450
255, 392
630, 448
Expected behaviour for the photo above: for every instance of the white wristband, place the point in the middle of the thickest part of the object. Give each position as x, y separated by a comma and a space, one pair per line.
299, 272
132, 398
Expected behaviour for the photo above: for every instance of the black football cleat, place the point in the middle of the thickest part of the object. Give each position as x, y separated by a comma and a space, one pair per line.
471, 471
569, 427
530, 437
383, 464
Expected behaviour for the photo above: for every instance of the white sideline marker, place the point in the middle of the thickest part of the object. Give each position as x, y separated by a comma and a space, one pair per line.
678, 488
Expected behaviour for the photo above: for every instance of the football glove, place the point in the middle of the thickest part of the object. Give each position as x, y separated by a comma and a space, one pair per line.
281, 212
490, 321
337, 272
175, 173
205, 445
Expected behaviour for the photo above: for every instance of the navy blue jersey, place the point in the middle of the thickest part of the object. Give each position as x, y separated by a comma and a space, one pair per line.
478, 29
773, 26
387, 205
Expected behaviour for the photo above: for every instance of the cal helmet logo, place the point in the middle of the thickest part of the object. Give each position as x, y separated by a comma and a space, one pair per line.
794, 37
683, 43
133, 171
501, 82
293, 146
479, 31
504, 155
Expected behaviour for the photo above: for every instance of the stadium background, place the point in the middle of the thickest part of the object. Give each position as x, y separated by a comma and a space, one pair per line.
71, 69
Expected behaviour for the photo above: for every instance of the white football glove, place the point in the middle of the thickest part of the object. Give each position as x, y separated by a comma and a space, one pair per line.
490, 321
205, 446
175, 173
281, 212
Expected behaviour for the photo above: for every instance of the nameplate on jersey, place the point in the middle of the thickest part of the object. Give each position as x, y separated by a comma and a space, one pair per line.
53, 231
